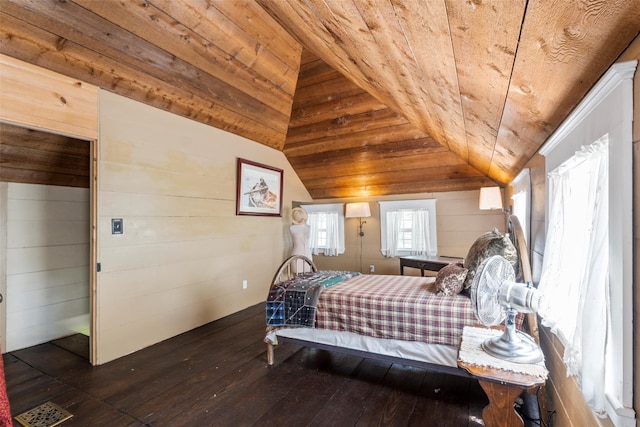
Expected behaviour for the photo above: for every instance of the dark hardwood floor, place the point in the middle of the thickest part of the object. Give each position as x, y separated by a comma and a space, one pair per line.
217, 375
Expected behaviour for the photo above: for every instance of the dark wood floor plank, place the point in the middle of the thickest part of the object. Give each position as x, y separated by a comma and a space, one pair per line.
394, 399
88, 411
76, 344
41, 356
194, 393
245, 405
346, 405
323, 375
218, 375
34, 392
187, 361
450, 397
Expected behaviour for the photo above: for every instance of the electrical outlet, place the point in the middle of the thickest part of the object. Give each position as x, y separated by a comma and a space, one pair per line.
372, 269
245, 284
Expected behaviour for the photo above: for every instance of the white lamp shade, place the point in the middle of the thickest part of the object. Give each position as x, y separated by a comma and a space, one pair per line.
490, 198
358, 210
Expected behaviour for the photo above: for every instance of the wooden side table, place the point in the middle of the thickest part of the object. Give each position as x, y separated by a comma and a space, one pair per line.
502, 388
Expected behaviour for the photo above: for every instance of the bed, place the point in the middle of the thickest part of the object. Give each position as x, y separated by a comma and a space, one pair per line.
397, 319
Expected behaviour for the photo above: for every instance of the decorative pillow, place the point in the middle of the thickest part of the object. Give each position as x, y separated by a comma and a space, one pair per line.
450, 279
485, 246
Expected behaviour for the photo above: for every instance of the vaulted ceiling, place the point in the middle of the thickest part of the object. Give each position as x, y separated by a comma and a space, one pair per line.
364, 97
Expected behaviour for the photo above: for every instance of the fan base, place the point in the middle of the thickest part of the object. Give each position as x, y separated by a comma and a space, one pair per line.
517, 348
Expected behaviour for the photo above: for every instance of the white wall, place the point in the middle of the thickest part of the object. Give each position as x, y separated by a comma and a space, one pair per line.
184, 253
47, 263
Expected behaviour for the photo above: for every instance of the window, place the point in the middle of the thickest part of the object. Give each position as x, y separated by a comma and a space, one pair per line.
606, 110
321, 219
575, 298
405, 230
408, 228
326, 223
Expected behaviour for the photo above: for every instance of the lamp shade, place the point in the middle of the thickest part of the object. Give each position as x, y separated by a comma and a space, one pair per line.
358, 210
490, 198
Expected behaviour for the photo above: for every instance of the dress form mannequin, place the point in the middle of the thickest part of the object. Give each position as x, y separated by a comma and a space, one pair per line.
300, 234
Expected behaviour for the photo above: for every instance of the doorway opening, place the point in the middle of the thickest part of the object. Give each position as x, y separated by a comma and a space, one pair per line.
48, 278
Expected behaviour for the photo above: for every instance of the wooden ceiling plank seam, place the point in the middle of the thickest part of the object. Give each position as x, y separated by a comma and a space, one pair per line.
363, 53
463, 184
25, 176
73, 23
405, 64
397, 176
307, 29
346, 125
314, 33
325, 91
43, 141
259, 25
357, 166
316, 72
484, 60
349, 105
23, 41
409, 147
367, 162
565, 47
439, 78
212, 25
191, 47
19, 157
365, 138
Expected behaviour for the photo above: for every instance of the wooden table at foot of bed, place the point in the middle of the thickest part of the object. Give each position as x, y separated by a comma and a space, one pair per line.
502, 388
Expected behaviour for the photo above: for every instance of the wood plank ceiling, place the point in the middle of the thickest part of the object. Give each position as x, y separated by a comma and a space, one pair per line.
364, 97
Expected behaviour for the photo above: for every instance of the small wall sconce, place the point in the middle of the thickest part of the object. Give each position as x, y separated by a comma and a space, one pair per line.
358, 210
490, 198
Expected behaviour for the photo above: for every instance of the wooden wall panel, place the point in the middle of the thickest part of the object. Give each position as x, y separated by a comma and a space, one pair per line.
41, 99
184, 253
47, 263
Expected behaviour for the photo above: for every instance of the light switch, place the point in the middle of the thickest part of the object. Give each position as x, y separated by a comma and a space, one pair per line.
116, 226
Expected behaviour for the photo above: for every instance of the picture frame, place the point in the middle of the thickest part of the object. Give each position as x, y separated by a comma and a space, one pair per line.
259, 189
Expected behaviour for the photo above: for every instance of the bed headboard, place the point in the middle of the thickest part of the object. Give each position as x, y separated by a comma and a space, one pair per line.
517, 238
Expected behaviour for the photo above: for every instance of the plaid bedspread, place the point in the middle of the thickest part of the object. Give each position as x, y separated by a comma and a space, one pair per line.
399, 307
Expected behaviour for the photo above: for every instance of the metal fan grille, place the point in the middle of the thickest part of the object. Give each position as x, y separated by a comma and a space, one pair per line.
486, 284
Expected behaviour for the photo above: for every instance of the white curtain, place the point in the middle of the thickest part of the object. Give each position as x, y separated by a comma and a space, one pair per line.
574, 281
420, 239
393, 228
333, 234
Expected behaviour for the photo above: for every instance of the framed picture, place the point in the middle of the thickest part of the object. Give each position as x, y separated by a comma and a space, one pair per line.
259, 189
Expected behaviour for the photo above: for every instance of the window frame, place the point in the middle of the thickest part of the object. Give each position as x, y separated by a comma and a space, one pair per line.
608, 109
330, 207
388, 206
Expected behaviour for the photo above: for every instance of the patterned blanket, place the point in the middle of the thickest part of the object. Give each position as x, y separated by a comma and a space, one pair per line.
399, 307
293, 302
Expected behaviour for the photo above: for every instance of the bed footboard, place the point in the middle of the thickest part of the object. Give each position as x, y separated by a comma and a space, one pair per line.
290, 268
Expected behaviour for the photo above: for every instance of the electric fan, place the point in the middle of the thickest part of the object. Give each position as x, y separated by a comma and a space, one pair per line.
495, 296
